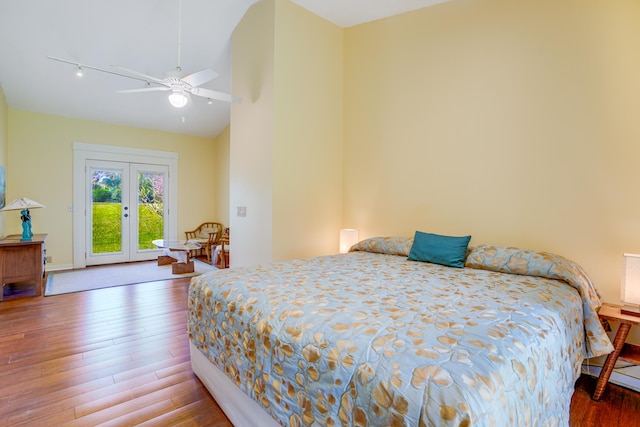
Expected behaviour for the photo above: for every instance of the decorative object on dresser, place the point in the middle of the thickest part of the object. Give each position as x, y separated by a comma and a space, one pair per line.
22, 260
630, 286
3, 186
23, 205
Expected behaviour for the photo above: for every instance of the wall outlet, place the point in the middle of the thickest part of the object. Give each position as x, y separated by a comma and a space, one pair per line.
48, 259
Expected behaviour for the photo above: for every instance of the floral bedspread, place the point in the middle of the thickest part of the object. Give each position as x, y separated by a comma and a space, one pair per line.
369, 338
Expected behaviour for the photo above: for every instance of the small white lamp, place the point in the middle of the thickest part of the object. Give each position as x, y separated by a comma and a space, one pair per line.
348, 238
630, 288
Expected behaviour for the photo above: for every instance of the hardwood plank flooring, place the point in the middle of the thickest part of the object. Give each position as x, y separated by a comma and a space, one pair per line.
120, 357
117, 356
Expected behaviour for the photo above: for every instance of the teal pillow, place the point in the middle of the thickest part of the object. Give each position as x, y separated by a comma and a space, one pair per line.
444, 250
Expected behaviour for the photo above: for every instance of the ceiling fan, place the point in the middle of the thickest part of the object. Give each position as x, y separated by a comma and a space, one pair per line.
180, 86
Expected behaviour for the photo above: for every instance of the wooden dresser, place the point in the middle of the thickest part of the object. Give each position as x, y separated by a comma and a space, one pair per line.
22, 261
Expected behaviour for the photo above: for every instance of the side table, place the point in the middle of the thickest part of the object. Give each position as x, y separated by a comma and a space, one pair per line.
612, 312
22, 261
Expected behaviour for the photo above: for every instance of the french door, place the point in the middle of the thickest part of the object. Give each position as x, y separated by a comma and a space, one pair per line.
125, 210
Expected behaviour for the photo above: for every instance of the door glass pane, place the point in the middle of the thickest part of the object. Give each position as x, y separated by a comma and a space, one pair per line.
106, 208
150, 209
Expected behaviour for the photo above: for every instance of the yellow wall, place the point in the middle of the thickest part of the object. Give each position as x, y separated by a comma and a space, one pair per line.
41, 168
250, 168
286, 137
515, 122
221, 177
307, 154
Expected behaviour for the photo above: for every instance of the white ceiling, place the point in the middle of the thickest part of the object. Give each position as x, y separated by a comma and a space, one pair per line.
347, 13
141, 35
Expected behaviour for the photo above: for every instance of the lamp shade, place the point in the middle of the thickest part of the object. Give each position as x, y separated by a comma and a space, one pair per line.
630, 286
22, 203
178, 99
348, 238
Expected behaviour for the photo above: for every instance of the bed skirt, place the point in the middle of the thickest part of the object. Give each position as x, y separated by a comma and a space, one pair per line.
238, 407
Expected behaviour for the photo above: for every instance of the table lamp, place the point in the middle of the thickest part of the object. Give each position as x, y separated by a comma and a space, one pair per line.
348, 238
23, 205
630, 289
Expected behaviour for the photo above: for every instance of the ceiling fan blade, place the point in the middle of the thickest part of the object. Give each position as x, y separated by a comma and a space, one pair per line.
139, 75
144, 89
200, 77
214, 94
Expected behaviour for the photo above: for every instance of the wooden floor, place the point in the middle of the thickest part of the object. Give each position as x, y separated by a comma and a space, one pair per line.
120, 357
117, 356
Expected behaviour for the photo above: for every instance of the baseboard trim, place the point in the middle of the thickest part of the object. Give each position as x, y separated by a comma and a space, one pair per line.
58, 267
616, 377
626, 372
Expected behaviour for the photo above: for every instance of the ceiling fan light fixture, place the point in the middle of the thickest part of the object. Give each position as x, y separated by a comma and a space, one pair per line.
178, 99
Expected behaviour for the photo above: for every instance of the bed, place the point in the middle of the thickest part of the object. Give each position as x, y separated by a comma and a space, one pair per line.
370, 338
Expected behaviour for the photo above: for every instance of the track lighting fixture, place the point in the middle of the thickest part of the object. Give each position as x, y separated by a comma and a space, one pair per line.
181, 87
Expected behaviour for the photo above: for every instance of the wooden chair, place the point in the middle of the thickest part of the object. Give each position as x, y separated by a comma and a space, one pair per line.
221, 251
207, 234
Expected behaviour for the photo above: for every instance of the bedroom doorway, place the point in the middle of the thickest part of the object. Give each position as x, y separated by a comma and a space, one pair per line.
122, 198
125, 211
